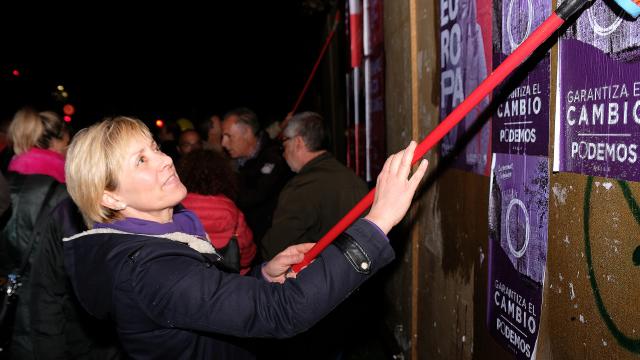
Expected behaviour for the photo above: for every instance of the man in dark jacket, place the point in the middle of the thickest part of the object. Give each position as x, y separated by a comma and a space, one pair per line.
320, 194
263, 172
314, 200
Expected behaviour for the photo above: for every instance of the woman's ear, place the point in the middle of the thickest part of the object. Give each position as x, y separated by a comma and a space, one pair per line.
110, 201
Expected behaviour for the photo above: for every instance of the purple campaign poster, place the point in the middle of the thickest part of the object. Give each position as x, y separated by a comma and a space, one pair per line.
465, 39
521, 123
518, 222
598, 103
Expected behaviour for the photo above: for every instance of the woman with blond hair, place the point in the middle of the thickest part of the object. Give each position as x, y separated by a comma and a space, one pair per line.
36, 183
150, 269
40, 141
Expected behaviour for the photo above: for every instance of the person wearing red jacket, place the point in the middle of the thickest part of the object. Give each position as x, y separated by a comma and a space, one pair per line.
211, 186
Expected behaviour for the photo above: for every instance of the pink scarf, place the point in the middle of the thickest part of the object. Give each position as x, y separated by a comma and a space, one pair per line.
38, 161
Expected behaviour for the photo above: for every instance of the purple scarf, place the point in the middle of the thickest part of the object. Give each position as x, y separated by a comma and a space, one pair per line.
184, 221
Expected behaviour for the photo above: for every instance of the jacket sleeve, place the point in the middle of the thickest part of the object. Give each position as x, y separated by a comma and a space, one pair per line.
48, 320
291, 221
5, 196
202, 298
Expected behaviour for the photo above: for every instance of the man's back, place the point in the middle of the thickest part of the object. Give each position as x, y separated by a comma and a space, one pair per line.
309, 205
312, 202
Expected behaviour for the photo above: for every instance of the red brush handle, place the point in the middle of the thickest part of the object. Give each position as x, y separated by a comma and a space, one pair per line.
539, 36
315, 66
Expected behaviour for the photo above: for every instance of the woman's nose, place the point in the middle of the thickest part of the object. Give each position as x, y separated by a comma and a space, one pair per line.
165, 160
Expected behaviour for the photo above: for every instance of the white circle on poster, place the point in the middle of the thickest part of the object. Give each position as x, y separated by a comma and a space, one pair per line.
599, 29
519, 203
512, 41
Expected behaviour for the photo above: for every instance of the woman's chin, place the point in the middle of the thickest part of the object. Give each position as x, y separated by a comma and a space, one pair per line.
183, 193
174, 195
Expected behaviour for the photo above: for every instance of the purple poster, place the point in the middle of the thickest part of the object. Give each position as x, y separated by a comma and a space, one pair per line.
465, 40
598, 103
521, 123
518, 222
376, 153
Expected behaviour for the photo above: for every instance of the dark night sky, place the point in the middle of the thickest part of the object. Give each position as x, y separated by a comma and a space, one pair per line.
161, 62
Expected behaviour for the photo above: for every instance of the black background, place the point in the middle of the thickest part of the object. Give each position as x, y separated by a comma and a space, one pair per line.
159, 61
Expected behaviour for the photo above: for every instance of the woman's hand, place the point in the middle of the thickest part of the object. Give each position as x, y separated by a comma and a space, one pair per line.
394, 190
276, 269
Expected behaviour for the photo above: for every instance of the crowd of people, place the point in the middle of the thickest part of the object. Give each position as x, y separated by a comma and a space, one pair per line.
180, 244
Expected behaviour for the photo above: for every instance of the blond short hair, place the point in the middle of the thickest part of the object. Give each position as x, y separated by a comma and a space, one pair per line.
94, 161
30, 128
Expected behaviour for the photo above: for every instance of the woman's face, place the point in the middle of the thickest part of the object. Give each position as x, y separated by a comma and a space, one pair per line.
148, 183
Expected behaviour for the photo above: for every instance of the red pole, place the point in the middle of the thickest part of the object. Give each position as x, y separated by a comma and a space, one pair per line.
356, 118
539, 36
315, 68
355, 35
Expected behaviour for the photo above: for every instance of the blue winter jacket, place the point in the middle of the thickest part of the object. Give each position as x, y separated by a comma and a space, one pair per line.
169, 302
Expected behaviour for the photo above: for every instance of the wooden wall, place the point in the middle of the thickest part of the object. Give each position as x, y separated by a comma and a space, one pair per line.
436, 292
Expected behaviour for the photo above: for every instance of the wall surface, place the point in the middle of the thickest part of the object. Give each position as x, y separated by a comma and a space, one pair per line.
437, 290
398, 116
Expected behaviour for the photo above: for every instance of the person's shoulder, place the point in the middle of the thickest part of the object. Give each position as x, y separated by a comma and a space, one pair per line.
196, 201
138, 246
267, 159
30, 180
272, 151
332, 174
337, 165
38, 190
199, 202
328, 165
269, 148
224, 202
100, 236
305, 186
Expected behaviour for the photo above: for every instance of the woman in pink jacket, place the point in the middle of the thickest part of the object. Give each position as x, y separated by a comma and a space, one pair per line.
211, 186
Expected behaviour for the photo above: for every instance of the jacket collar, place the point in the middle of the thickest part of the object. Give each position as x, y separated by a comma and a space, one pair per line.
196, 243
316, 160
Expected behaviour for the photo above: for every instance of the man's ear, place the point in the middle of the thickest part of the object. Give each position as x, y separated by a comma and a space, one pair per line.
299, 143
109, 200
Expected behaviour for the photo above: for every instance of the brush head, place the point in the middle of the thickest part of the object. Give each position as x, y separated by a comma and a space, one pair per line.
632, 7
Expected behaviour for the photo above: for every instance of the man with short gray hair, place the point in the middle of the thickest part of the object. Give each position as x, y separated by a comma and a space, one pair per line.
261, 168
322, 191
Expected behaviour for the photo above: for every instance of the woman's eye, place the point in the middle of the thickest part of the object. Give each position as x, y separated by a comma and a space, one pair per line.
141, 160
